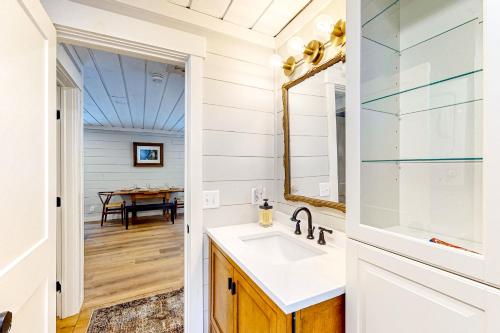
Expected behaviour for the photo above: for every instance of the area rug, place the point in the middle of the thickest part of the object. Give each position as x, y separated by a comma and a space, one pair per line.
162, 313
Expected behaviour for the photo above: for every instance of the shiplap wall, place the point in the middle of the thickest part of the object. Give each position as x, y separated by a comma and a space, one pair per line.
238, 133
325, 216
309, 132
108, 165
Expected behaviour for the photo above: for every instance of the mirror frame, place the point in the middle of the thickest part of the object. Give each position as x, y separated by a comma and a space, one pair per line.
340, 56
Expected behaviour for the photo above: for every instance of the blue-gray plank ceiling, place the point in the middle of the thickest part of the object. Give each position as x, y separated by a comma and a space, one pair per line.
126, 92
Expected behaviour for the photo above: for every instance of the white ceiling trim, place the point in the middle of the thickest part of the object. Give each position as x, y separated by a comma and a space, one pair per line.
179, 13
307, 15
77, 23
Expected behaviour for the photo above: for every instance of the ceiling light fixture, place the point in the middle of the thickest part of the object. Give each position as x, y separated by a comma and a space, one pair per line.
157, 77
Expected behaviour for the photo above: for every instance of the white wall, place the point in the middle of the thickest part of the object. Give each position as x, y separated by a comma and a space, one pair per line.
108, 165
238, 135
325, 216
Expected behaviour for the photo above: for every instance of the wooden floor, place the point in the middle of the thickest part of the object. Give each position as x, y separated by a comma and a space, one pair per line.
122, 265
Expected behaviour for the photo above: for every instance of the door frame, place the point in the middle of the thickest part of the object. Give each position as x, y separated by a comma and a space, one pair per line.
70, 231
155, 46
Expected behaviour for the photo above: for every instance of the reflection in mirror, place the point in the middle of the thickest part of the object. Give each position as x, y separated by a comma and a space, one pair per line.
315, 151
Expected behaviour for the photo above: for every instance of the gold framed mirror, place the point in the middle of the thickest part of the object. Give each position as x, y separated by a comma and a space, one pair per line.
314, 137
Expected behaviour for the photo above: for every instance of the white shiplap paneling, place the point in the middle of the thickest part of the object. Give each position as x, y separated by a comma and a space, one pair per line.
265, 16
238, 123
215, 8
278, 14
108, 165
246, 12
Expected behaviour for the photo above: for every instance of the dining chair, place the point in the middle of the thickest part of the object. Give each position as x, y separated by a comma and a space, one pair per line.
179, 203
110, 207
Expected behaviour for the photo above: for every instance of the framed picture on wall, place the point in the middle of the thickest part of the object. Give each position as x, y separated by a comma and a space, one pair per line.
148, 154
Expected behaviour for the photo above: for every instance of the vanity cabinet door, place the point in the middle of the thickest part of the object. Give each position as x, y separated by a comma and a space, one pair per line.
221, 298
327, 316
252, 313
392, 294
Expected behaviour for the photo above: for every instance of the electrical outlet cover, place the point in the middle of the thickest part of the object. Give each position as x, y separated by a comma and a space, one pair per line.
211, 199
324, 189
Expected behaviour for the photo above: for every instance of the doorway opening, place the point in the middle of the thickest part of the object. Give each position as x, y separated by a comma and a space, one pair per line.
133, 114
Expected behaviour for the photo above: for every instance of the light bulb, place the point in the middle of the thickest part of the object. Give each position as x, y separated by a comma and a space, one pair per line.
324, 24
275, 60
295, 45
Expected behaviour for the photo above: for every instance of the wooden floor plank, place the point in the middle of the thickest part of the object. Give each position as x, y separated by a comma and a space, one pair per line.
122, 265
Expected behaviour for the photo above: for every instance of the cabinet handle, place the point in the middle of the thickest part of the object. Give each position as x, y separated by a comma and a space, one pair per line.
233, 289
229, 283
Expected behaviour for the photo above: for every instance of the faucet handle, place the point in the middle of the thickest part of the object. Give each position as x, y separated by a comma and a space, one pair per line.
321, 238
321, 229
297, 227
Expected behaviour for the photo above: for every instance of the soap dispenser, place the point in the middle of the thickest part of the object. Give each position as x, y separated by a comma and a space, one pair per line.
266, 214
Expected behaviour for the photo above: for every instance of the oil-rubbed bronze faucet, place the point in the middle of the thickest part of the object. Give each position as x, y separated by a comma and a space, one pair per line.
310, 228
321, 239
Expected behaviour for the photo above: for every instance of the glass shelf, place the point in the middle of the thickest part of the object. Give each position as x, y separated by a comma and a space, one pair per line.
379, 13
421, 87
377, 29
428, 39
429, 160
422, 117
438, 35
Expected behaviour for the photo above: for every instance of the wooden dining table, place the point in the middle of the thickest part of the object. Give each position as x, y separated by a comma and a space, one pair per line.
147, 194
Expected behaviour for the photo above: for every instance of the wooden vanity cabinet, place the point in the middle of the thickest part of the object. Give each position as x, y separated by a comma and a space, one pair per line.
237, 304
221, 280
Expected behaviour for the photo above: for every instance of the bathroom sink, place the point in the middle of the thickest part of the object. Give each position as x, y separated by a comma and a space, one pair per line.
279, 248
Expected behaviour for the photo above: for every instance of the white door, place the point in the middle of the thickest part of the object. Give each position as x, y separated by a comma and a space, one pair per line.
27, 168
387, 293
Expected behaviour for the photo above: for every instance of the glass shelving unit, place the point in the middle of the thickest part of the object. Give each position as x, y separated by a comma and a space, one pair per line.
421, 119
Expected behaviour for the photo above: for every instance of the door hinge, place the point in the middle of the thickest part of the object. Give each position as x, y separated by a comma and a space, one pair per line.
58, 202
187, 225
294, 315
58, 114
58, 286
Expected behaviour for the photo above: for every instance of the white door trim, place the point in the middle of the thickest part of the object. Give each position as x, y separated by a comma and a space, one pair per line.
70, 235
154, 49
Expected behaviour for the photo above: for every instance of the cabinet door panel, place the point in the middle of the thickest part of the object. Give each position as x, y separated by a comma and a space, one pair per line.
221, 300
327, 316
252, 313
419, 298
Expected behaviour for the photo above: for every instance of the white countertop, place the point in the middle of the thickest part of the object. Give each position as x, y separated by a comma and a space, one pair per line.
292, 285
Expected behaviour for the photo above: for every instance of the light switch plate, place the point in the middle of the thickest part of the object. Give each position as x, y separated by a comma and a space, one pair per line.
324, 189
211, 199
258, 195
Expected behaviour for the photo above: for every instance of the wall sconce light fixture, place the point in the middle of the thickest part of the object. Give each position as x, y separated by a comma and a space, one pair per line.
313, 52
